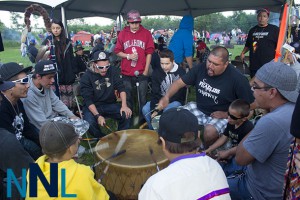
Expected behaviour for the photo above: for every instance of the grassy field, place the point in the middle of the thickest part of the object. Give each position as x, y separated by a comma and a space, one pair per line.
13, 54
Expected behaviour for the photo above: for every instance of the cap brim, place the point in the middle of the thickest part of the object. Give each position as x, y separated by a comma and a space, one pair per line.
130, 20
290, 95
6, 85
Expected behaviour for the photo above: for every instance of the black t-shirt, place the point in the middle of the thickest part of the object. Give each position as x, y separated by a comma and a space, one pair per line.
236, 135
295, 125
262, 42
16, 123
215, 93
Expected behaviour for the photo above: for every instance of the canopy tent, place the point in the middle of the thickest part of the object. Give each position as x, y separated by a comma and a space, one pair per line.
112, 9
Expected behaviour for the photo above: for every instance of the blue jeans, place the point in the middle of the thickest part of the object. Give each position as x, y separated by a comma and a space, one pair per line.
230, 167
146, 110
129, 83
32, 148
238, 187
107, 110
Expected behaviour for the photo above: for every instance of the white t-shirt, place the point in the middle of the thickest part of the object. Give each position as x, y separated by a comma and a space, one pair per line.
189, 177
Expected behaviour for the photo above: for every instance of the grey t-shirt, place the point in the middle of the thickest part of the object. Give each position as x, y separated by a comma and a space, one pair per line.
269, 144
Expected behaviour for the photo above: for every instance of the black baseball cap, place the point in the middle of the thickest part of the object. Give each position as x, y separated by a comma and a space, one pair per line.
45, 67
11, 69
175, 122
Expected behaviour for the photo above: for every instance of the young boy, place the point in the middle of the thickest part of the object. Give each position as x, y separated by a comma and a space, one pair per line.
162, 79
59, 142
237, 128
190, 175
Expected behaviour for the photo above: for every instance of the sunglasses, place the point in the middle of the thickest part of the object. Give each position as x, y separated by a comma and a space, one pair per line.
134, 22
104, 67
24, 80
233, 117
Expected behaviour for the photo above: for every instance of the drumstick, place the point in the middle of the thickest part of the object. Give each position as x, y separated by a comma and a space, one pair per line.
111, 157
104, 172
153, 158
97, 148
89, 139
121, 143
114, 132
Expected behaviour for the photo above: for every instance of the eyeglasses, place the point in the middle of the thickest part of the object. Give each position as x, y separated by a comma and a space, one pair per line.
24, 80
103, 67
254, 87
233, 117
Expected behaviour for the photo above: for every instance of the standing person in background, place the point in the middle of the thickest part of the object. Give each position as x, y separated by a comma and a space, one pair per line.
81, 60
1, 43
182, 41
261, 42
135, 46
32, 51
61, 53
207, 35
202, 52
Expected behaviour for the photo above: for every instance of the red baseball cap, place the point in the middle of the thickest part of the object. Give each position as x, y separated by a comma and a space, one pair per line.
263, 10
133, 16
201, 46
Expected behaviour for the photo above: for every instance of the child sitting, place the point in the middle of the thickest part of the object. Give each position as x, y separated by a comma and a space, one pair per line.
237, 128
59, 142
162, 79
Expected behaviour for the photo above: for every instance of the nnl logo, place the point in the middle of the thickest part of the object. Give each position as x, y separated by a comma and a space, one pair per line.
35, 172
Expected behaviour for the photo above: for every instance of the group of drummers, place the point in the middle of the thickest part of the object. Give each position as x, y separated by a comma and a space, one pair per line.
224, 102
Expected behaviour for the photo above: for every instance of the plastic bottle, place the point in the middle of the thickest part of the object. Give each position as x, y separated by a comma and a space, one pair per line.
133, 62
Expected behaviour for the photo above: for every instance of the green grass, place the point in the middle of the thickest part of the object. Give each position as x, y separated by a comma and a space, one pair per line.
13, 54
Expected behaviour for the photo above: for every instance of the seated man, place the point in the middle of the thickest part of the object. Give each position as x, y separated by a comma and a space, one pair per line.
41, 103
12, 155
161, 81
189, 175
13, 117
217, 84
265, 149
97, 87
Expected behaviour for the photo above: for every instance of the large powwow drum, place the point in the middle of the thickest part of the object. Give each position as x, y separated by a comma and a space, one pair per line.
128, 172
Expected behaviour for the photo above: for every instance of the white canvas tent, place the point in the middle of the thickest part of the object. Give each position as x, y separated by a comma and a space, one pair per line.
113, 8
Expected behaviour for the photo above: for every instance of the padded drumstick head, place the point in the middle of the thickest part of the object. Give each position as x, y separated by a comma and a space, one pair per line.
121, 143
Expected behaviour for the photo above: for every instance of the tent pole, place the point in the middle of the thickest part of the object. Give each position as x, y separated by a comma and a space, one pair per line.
120, 24
63, 19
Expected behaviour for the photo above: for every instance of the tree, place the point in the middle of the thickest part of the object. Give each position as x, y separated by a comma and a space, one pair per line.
2, 26
15, 17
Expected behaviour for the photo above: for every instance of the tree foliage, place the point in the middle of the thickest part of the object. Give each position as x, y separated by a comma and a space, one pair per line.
15, 17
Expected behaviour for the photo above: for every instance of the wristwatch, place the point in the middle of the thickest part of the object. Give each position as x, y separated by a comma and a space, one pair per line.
97, 116
127, 56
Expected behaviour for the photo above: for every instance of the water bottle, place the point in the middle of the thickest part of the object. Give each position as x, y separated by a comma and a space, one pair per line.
133, 62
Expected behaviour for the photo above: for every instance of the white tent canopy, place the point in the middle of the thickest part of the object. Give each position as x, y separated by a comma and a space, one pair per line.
113, 8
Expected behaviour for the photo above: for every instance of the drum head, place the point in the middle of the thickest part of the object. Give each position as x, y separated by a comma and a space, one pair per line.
137, 145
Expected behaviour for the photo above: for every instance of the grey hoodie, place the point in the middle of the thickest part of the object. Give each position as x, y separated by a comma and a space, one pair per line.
42, 107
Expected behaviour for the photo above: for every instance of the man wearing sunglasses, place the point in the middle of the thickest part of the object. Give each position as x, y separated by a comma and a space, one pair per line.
13, 117
135, 46
265, 149
41, 103
97, 87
